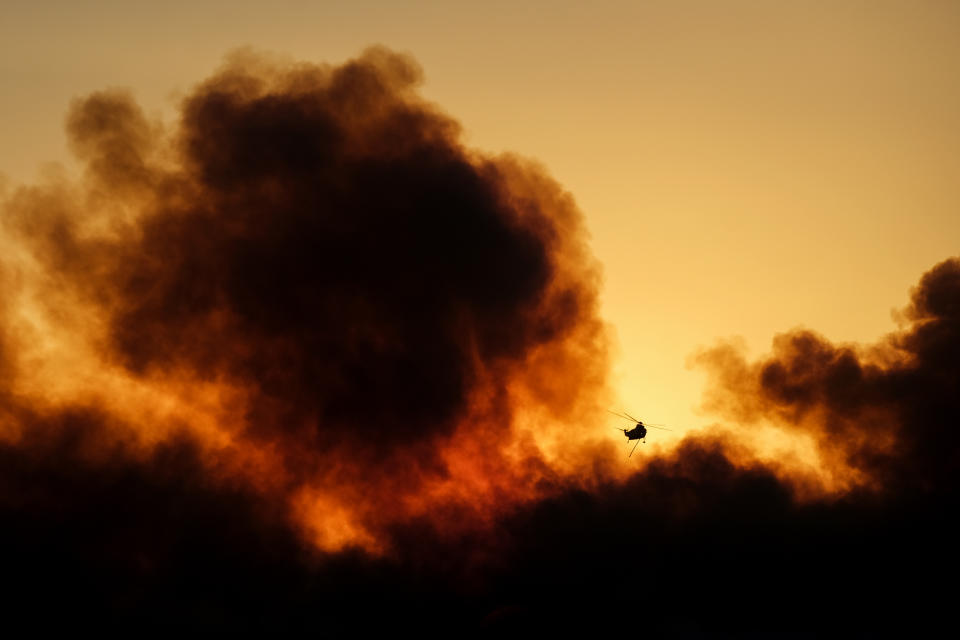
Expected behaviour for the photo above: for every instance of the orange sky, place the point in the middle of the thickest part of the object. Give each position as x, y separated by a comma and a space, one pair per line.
743, 167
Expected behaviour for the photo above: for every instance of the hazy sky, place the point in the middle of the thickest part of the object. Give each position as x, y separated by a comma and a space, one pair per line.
744, 167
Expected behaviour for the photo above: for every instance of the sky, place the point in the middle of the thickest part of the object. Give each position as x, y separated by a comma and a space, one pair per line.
706, 214
743, 167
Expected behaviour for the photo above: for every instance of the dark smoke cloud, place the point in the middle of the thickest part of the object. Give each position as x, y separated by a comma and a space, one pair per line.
707, 540
288, 324
370, 294
696, 544
93, 536
690, 544
352, 298
322, 235
889, 412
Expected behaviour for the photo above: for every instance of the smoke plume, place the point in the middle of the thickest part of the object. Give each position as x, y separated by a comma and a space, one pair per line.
314, 278
888, 412
303, 356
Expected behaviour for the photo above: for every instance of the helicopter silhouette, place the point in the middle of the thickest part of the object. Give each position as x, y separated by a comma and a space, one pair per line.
639, 432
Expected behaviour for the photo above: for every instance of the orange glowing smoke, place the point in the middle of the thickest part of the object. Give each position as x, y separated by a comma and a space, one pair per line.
312, 288
304, 352
881, 416
317, 284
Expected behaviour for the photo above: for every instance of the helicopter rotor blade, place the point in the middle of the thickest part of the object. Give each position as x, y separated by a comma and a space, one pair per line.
656, 427
631, 417
634, 448
620, 415
665, 426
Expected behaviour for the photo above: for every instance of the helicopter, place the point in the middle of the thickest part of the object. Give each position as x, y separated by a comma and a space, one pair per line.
639, 432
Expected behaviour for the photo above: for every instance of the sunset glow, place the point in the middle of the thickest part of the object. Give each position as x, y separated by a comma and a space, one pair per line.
343, 297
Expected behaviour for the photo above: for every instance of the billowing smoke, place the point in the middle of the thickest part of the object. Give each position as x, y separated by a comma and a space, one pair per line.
713, 537
889, 412
316, 280
303, 360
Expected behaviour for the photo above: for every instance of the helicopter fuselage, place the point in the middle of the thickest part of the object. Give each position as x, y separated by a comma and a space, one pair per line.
637, 433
